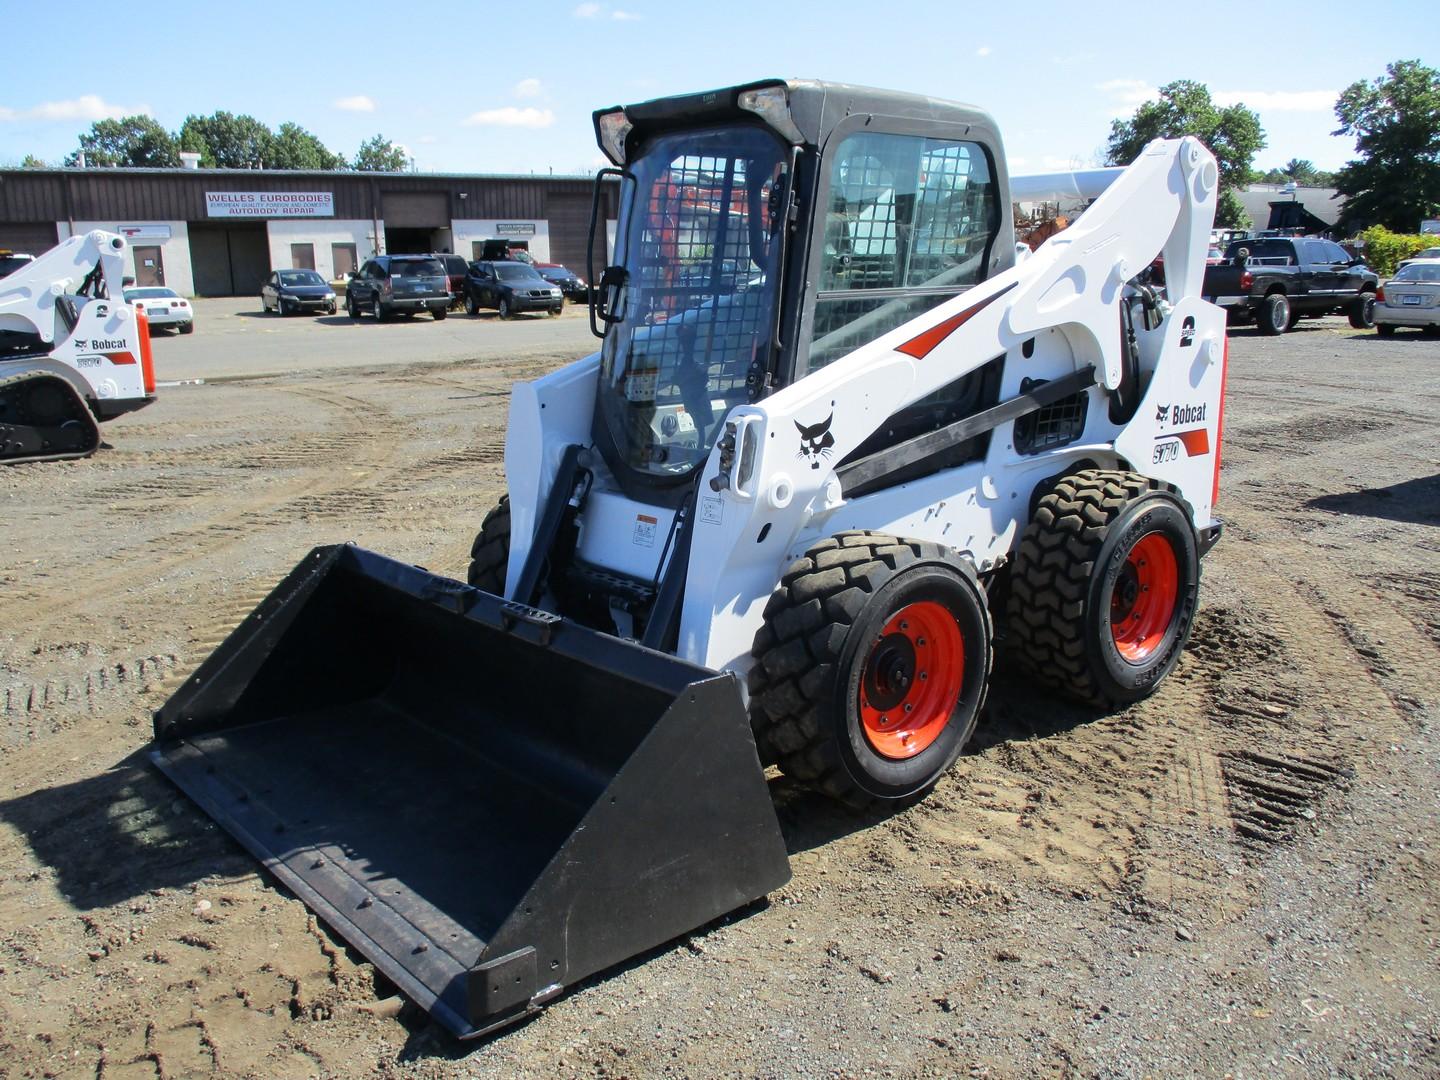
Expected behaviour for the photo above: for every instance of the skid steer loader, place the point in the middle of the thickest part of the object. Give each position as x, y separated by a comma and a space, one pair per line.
73, 354
838, 430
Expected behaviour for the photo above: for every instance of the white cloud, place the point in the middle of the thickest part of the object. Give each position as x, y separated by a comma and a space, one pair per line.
527, 88
587, 11
85, 107
624, 16
356, 103
510, 116
983, 50
1279, 100
1128, 91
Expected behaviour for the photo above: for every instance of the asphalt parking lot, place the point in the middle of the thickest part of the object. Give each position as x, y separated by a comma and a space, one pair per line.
233, 338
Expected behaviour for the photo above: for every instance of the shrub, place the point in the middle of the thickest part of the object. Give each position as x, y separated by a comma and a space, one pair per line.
1383, 248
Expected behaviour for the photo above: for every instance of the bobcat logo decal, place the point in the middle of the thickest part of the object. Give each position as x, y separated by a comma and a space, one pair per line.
815, 441
1161, 411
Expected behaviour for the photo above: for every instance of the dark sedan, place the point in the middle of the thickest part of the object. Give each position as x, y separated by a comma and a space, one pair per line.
510, 288
291, 291
572, 286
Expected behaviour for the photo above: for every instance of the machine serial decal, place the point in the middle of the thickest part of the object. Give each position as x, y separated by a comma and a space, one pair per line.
816, 442
1187, 332
1167, 447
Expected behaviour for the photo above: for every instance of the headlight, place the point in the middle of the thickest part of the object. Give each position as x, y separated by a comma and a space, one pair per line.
329, 296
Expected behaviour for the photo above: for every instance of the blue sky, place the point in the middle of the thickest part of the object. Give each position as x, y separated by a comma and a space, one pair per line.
509, 87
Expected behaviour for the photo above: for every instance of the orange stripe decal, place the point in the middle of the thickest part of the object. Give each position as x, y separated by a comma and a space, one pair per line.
1197, 442
1220, 424
120, 357
921, 345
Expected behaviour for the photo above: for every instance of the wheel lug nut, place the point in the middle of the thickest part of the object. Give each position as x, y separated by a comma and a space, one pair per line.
924, 675
920, 641
908, 708
904, 626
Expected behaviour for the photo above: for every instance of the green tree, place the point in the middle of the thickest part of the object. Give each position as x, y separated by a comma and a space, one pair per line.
1233, 134
1396, 124
227, 141
295, 148
380, 155
32, 162
132, 140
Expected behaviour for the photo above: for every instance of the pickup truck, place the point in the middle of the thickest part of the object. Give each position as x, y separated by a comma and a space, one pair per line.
1277, 280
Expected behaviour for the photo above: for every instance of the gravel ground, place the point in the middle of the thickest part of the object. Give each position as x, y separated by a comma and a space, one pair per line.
1235, 876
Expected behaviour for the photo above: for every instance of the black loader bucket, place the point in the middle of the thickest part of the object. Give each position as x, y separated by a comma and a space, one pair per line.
489, 802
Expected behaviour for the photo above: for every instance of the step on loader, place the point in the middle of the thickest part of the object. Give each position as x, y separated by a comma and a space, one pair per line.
841, 435
73, 353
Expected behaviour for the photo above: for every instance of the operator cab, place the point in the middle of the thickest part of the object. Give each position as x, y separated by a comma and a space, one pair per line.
763, 231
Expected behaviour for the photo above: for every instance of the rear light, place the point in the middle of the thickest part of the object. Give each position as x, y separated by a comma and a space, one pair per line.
147, 359
1247, 280
1380, 295
139, 306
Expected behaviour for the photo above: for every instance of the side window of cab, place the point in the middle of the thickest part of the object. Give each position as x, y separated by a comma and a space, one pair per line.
910, 222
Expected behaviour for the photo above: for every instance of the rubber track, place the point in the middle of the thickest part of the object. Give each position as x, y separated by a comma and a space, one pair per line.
1045, 619
490, 554
22, 442
807, 619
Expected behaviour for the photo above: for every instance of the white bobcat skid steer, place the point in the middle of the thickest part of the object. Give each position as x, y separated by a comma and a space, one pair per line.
832, 421
72, 353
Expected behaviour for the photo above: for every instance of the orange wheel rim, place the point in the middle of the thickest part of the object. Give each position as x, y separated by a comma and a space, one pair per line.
911, 680
1142, 606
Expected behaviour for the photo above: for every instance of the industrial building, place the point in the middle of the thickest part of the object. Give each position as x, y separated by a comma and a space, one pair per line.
219, 232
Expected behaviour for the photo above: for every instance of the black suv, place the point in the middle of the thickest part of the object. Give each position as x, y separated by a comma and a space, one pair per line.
405, 284
510, 287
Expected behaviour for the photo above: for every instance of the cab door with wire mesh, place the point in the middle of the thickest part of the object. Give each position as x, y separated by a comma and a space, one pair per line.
909, 223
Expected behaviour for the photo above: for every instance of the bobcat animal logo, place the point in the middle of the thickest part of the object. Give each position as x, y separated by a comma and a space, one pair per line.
816, 442
1161, 411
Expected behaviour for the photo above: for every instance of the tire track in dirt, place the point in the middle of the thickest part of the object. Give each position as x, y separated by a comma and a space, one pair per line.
368, 438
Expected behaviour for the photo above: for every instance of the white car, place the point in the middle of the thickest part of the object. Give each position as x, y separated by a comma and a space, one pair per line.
1410, 298
163, 307
1428, 253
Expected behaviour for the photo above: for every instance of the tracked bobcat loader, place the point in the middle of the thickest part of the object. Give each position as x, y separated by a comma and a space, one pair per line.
73, 353
840, 437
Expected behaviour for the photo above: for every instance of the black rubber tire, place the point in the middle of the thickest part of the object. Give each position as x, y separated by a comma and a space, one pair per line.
378, 310
504, 308
351, 308
811, 654
439, 313
187, 328
1065, 572
1362, 311
555, 311
1385, 329
471, 307
490, 553
1273, 318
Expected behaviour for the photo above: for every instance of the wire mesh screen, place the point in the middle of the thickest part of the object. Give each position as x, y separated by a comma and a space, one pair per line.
1051, 426
905, 214
699, 304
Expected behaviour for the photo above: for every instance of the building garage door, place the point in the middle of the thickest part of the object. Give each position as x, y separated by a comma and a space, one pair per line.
33, 238
569, 218
228, 260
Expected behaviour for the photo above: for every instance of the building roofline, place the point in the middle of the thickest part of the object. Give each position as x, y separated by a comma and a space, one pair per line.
173, 170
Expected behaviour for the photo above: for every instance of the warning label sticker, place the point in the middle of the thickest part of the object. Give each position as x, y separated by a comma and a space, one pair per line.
644, 535
712, 510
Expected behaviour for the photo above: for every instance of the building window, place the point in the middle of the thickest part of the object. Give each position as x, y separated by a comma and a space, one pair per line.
909, 225
343, 256
302, 256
